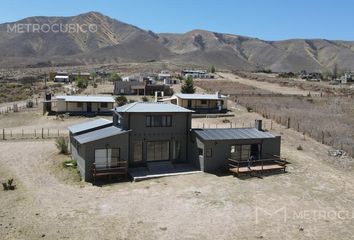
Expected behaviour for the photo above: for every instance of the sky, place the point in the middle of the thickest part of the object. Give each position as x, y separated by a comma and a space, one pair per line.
264, 19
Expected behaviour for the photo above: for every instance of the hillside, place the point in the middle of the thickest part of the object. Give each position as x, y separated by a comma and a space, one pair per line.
117, 42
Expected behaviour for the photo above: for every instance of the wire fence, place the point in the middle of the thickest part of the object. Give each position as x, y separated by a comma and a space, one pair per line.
42, 133
20, 106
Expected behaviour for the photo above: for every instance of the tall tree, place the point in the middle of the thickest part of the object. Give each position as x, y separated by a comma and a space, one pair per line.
188, 86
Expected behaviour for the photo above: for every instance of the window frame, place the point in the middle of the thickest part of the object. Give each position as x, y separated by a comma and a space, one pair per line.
158, 121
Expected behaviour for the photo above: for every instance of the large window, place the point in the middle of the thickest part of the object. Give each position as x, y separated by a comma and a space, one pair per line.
158, 151
158, 121
104, 105
107, 157
240, 152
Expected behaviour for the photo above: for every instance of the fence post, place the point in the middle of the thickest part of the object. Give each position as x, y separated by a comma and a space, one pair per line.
48, 132
3, 134
22, 132
42, 133
58, 132
35, 133
271, 124
288, 123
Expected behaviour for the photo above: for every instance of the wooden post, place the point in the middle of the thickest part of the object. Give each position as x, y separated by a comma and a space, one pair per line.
3, 134
22, 132
288, 123
322, 137
271, 124
42, 133
48, 132
35, 133
58, 132
11, 132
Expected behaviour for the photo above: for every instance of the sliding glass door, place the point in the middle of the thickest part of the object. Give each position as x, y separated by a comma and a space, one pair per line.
158, 151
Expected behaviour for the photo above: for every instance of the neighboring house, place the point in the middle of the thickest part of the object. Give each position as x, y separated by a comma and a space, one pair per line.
164, 75
347, 78
170, 81
82, 105
139, 88
200, 103
145, 134
61, 77
196, 73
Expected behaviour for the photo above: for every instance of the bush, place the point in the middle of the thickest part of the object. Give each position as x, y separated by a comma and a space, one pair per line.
62, 144
82, 83
9, 185
70, 163
121, 100
226, 120
144, 99
249, 109
299, 148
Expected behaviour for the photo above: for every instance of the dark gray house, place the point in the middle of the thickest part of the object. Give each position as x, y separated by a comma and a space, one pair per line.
145, 133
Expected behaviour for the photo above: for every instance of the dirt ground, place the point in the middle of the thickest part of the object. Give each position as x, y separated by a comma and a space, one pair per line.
313, 200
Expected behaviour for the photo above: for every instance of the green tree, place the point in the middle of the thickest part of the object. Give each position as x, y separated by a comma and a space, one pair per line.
188, 86
81, 83
121, 100
115, 77
212, 69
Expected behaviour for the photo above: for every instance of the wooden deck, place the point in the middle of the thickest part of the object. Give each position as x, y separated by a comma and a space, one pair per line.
272, 164
119, 169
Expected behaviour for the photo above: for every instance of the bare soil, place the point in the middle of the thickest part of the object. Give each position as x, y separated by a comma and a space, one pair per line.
313, 200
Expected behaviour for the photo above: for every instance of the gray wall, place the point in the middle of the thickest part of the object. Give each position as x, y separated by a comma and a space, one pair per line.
181, 124
221, 151
85, 156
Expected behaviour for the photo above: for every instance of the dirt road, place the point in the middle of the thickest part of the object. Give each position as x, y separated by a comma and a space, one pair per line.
275, 88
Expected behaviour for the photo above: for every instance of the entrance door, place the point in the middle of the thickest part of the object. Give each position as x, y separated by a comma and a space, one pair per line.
189, 104
158, 151
89, 107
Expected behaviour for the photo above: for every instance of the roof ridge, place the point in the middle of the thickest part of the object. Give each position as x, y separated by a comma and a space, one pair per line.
132, 105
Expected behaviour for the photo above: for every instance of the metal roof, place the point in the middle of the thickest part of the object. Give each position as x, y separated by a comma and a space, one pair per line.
151, 107
199, 96
232, 134
87, 98
89, 125
99, 134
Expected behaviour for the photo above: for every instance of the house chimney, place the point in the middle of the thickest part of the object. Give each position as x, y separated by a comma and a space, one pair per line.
258, 125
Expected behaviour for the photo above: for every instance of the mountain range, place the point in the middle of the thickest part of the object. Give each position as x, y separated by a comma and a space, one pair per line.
118, 42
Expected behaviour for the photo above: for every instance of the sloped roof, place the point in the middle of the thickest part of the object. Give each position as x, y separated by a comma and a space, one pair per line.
199, 96
99, 134
231, 134
86, 98
81, 127
157, 107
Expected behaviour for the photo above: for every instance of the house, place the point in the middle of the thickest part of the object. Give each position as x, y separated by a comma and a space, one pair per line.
139, 88
164, 75
141, 133
196, 73
145, 134
347, 78
200, 103
82, 105
61, 77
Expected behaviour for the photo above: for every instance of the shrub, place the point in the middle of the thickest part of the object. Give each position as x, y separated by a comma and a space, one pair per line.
9, 185
144, 99
121, 100
249, 109
225, 120
70, 163
62, 145
299, 148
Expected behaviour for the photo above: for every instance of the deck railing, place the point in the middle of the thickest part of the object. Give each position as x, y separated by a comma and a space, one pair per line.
118, 168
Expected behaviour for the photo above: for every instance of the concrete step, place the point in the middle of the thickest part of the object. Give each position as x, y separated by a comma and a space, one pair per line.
163, 166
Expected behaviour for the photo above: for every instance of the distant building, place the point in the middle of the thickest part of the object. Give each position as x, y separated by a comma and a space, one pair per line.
196, 73
200, 103
139, 88
164, 75
347, 78
61, 77
81, 105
